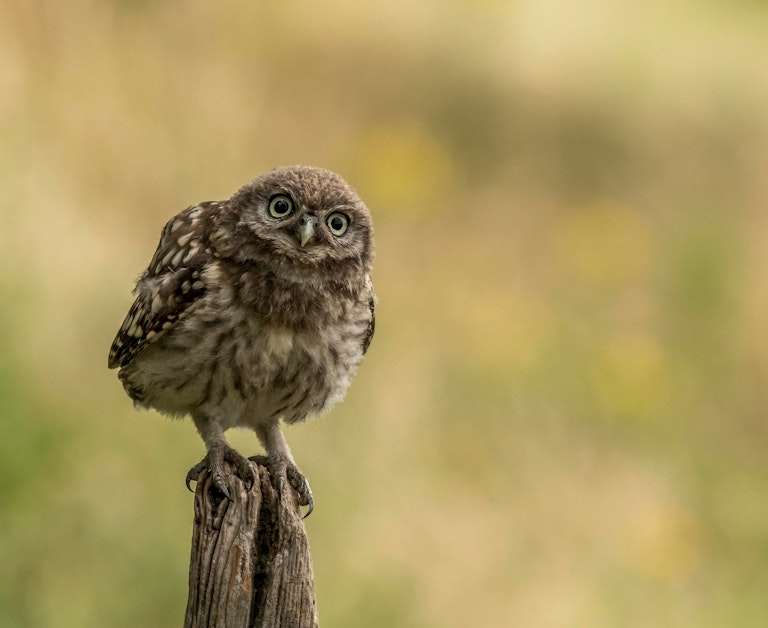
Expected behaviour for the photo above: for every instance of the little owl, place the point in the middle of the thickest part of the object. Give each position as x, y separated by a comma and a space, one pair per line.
252, 310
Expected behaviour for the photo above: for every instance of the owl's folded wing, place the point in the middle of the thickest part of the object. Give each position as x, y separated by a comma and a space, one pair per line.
372, 323
170, 286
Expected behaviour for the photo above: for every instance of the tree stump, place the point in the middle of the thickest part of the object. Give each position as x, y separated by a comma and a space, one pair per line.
250, 565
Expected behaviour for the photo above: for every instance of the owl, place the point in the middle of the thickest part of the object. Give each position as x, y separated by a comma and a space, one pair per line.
253, 311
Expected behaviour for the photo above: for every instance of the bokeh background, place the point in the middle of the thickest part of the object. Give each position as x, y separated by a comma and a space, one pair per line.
562, 418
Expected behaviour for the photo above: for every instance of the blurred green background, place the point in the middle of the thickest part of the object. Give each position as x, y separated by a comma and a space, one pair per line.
561, 421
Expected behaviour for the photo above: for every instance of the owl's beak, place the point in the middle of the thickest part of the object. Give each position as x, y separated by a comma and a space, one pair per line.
306, 229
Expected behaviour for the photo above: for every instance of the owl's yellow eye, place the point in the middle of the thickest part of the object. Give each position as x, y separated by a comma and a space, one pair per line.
280, 206
337, 223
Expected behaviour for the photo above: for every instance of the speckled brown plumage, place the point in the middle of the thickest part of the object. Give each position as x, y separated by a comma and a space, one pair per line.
253, 310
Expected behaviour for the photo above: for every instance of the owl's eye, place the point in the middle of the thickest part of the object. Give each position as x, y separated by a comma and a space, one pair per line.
280, 206
337, 223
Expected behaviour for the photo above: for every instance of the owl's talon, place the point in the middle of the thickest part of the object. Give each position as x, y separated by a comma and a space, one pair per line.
301, 486
214, 462
193, 475
220, 484
311, 506
282, 469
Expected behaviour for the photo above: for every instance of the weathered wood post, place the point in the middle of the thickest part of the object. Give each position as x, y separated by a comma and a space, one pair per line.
250, 565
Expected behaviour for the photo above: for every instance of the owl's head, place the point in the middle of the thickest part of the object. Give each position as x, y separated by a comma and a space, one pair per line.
299, 216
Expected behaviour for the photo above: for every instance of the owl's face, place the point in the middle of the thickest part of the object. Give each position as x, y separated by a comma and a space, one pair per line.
303, 216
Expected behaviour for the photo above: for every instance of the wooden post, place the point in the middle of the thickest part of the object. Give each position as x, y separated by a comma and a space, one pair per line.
250, 565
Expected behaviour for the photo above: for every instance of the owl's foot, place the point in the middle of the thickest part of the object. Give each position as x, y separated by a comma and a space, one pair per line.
214, 460
282, 469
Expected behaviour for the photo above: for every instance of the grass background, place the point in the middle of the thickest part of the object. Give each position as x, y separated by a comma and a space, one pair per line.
561, 421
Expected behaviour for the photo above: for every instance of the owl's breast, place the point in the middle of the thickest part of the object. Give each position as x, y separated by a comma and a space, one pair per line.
227, 360
296, 374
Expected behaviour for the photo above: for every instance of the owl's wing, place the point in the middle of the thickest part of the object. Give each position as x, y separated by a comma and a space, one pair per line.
169, 287
372, 323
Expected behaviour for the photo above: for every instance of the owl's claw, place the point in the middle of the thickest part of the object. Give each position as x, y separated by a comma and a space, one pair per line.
213, 462
189, 479
282, 469
311, 505
222, 486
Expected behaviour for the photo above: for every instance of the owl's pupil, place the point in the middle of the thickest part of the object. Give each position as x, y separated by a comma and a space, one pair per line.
337, 223
281, 207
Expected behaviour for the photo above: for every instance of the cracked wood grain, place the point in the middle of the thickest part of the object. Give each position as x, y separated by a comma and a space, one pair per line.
250, 565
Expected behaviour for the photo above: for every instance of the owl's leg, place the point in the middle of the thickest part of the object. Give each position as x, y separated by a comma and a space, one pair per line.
219, 452
281, 464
